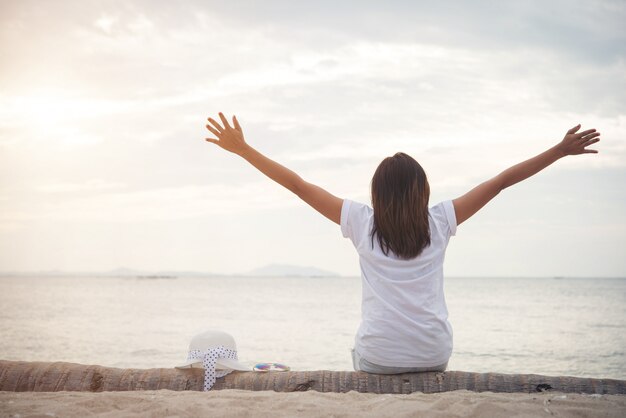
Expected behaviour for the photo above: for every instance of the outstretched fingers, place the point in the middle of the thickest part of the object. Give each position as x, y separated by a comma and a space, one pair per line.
588, 140
585, 133
227, 137
236, 123
592, 135
224, 121
214, 131
216, 124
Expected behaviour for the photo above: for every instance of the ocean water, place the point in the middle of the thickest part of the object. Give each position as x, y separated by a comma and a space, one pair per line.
574, 327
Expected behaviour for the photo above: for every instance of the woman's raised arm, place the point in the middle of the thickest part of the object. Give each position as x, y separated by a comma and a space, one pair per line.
572, 144
232, 139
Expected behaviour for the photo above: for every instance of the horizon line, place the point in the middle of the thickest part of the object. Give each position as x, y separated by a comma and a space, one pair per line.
193, 273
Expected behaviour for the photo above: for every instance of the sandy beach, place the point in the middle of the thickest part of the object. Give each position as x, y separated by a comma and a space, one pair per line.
241, 403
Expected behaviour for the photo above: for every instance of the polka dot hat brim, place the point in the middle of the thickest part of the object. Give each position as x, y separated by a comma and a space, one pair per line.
222, 363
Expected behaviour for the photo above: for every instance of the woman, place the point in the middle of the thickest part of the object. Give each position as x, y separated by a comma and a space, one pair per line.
401, 244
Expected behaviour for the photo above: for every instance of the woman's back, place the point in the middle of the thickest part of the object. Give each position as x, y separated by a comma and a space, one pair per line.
404, 314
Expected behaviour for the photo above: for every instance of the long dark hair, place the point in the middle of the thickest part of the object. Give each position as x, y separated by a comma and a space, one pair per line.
400, 194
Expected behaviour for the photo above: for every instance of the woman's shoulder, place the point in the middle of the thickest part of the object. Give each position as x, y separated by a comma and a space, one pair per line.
356, 208
443, 213
355, 219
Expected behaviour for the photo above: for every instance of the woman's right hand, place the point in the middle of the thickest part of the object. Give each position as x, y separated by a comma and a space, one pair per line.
576, 143
229, 138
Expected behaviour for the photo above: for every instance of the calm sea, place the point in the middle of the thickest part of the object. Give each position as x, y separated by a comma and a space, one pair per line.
549, 326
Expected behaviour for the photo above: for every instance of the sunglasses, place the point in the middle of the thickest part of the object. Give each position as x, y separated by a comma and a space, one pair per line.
266, 367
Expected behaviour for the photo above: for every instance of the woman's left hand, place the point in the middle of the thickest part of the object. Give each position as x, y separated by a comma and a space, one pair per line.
229, 138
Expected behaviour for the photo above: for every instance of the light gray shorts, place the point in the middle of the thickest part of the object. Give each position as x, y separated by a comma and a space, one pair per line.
360, 364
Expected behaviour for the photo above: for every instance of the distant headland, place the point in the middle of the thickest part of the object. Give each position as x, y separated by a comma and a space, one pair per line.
269, 270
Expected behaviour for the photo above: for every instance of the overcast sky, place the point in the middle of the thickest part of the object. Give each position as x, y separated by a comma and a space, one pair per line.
103, 162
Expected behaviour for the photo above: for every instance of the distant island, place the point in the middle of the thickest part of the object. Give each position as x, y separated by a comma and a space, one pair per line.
269, 270
118, 272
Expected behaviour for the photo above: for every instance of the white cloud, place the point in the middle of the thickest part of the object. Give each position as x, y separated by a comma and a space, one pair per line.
106, 23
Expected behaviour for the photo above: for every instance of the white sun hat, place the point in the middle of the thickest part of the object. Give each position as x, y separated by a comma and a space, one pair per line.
216, 352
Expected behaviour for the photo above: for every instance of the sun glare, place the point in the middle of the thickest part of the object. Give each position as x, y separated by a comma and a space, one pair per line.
51, 114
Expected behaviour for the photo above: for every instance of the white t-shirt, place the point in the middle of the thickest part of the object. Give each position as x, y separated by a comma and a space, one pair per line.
404, 318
